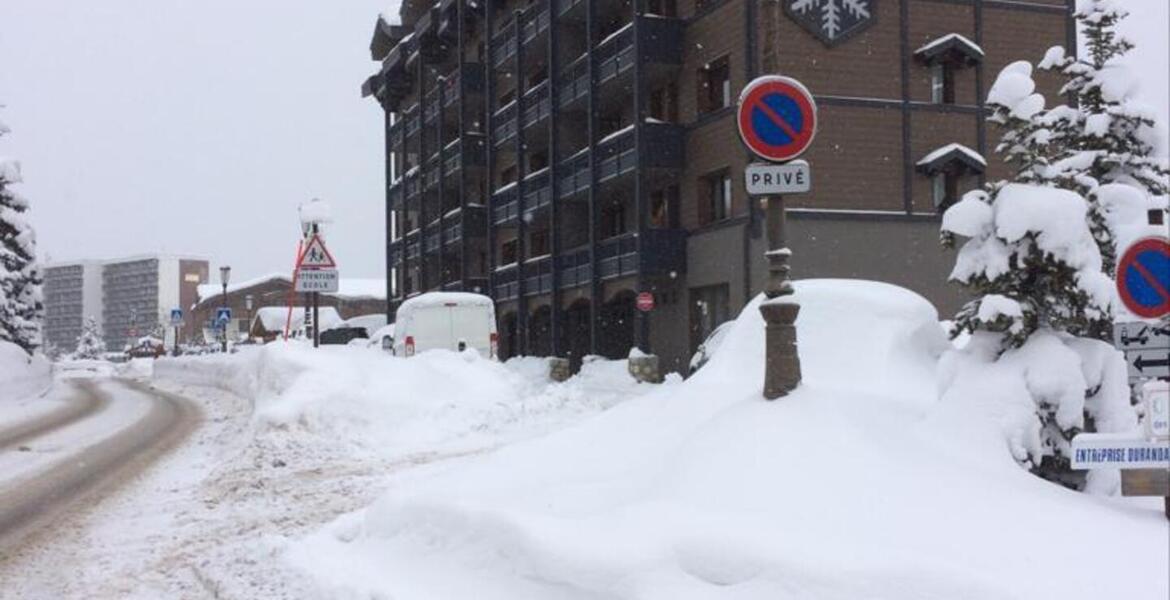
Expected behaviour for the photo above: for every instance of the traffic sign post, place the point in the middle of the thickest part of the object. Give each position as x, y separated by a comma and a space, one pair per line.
176, 323
317, 272
777, 120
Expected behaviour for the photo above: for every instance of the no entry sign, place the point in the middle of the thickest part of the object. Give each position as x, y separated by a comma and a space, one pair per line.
1143, 277
777, 117
645, 302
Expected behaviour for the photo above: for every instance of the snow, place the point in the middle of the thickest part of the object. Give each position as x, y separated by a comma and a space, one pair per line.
616, 33
851, 487
370, 323
962, 39
21, 375
969, 217
433, 299
1014, 88
616, 134
273, 318
1053, 58
10, 170
315, 211
947, 149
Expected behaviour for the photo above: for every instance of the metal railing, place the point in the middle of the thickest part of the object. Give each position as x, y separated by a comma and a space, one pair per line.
618, 256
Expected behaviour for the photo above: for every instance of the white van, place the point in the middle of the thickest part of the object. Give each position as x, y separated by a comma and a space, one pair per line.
446, 320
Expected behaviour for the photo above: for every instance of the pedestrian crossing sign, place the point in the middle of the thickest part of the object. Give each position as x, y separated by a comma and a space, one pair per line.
316, 256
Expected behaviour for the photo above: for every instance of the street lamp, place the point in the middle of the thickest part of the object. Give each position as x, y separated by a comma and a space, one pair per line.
248, 306
225, 273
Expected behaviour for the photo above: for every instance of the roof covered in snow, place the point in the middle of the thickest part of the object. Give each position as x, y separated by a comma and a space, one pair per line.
273, 318
952, 47
347, 287
950, 153
432, 299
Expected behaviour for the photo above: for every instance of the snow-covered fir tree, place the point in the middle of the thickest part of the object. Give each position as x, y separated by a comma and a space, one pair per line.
21, 306
90, 343
1104, 136
1041, 298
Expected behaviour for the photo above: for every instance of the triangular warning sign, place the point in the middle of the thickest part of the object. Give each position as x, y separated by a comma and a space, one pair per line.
316, 256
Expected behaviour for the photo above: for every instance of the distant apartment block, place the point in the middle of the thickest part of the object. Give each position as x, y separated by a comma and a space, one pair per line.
138, 294
130, 297
73, 293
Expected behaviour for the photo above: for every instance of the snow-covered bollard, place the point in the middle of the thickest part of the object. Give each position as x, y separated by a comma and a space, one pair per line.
559, 369
644, 368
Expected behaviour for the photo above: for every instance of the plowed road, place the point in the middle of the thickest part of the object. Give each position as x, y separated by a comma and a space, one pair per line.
108, 431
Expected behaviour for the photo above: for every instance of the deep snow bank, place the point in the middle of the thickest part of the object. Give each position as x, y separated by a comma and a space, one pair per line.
842, 490
22, 375
366, 400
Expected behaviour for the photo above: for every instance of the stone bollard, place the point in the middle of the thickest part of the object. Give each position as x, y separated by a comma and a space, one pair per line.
781, 362
644, 368
559, 369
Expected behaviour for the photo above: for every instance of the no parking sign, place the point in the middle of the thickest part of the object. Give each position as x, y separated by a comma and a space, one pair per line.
777, 117
1143, 277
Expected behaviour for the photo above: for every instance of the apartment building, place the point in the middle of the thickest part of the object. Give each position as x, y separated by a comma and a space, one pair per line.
73, 293
139, 292
564, 156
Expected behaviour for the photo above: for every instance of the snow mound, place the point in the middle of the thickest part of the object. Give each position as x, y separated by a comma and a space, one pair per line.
22, 375
353, 399
844, 489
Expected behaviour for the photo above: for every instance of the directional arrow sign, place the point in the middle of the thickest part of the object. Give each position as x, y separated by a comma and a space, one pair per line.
1138, 335
1148, 364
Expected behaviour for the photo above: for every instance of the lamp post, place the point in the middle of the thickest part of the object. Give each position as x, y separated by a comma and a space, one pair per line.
225, 273
248, 307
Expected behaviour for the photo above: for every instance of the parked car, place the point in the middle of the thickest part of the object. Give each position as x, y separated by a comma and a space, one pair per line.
446, 320
343, 335
709, 346
146, 348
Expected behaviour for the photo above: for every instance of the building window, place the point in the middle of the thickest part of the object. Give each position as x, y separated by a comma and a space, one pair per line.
509, 251
539, 243
709, 309
716, 190
714, 85
942, 84
664, 103
664, 8
944, 189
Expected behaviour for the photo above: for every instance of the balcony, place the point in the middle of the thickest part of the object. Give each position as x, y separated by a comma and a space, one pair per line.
397, 138
536, 105
466, 222
412, 123
394, 195
663, 146
504, 44
661, 42
533, 21
507, 283
615, 54
572, 10
449, 18
537, 193
394, 253
412, 246
575, 175
574, 83
472, 77
663, 251
504, 124
468, 151
431, 240
538, 276
426, 29
412, 184
432, 175
618, 256
505, 206
576, 267
477, 285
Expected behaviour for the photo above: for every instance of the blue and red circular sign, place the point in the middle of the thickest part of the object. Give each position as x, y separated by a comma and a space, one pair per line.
777, 117
1143, 277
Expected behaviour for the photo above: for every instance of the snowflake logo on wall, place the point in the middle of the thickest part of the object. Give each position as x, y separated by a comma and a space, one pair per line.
832, 21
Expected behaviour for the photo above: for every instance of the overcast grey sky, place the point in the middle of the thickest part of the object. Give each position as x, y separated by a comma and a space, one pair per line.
197, 126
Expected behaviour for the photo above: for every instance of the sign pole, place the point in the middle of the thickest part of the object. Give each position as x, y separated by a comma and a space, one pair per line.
316, 324
781, 362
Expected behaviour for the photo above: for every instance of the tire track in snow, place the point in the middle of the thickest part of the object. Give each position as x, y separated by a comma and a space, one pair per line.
92, 470
84, 403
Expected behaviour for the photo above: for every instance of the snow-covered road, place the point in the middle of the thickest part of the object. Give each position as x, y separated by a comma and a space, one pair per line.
96, 434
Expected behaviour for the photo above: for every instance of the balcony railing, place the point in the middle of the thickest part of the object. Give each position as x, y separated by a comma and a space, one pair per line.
575, 174
504, 44
431, 241
533, 21
471, 74
396, 135
565, 6
412, 183
615, 54
538, 276
453, 232
618, 256
507, 282
394, 195
412, 121
537, 193
574, 82
504, 124
469, 152
663, 146
536, 104
432, 175
505, 206
576, 268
